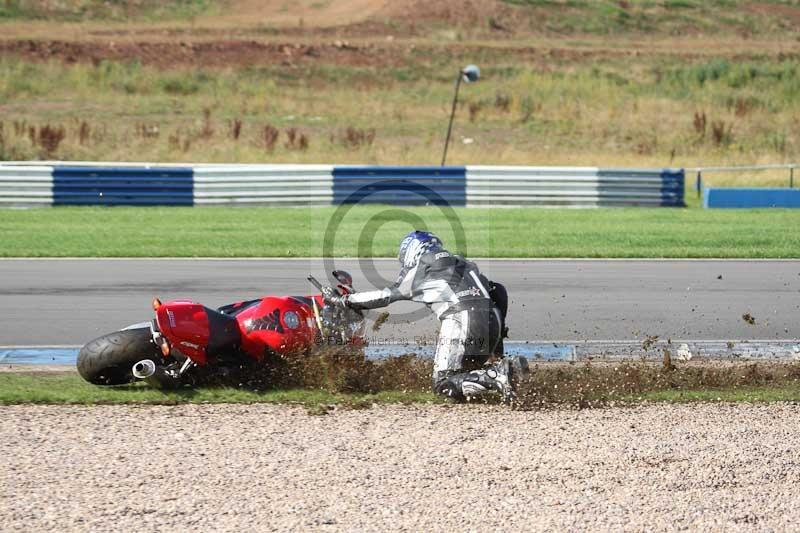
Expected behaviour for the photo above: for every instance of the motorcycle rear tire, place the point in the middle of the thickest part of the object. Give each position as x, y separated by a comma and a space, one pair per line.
109, 360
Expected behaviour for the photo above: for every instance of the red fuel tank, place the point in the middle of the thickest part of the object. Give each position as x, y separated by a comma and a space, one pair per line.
282, 325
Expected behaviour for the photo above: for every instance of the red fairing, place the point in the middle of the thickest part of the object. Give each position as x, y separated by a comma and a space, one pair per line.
285, 326
185, 325
191, 344
282, 325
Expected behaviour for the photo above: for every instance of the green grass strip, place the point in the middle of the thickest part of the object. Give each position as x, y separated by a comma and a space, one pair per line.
776, 393
374, 231
71, 389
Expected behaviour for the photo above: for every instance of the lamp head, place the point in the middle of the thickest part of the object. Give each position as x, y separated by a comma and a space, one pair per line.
470, 73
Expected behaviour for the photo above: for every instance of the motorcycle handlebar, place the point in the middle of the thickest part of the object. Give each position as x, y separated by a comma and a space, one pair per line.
320, 287
315, 283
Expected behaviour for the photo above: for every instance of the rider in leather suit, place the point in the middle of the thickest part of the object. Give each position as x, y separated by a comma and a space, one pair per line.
472, 322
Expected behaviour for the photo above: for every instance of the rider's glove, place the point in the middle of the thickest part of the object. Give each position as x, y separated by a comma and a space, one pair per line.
328, 293
332, 298
339, 301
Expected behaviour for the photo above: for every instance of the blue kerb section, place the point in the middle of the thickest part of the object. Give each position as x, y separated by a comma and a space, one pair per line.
123, 186
672, 188
68, 356
400, 185
39, 356
750, 198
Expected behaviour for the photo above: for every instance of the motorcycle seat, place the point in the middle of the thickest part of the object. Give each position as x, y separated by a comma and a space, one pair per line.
224, 335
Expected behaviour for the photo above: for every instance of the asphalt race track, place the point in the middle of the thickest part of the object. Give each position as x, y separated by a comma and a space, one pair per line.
69, 301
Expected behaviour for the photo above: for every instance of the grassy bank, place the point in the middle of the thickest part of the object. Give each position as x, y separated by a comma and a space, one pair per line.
648, 111
597, 384
71, 389
374, 232
80, 10
606, 83
671, 17
746, 394
578, 385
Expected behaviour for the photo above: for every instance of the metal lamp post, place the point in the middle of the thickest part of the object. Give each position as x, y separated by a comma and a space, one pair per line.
468, 74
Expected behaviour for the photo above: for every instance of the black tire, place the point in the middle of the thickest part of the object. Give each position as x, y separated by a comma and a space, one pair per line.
108, 360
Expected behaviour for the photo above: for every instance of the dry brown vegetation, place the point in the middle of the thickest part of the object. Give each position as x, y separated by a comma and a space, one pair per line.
500, 19
598, 384
567, 83
579, 385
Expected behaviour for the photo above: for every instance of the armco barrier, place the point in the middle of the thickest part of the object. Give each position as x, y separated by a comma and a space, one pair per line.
64, 183
400, 185
750, 198
263, 185
122, 186
26, 186
573, 186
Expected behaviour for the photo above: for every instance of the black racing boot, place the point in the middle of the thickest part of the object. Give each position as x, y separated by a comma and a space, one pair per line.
501, 377
510, 371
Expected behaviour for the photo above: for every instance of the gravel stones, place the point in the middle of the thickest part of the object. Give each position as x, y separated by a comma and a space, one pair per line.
417, 468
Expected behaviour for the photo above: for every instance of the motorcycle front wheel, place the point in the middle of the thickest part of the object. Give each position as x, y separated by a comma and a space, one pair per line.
109, 360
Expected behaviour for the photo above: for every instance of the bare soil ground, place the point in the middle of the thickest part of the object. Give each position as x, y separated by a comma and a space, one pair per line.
229, 53
311, 13
400, 468
207, 54
377, 33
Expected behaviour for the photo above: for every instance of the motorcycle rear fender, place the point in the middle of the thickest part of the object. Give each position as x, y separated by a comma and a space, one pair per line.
197, 331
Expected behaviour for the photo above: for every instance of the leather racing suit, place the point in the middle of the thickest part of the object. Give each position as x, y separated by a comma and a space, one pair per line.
471, 324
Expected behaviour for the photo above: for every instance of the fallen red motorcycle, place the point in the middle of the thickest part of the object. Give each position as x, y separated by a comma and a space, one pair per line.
188, 342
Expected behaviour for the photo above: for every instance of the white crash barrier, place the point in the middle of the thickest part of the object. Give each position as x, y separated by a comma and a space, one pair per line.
573, 186
26, 186
30, 184
263, 185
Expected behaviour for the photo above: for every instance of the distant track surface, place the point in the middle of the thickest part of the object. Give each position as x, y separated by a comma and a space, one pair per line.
70, 301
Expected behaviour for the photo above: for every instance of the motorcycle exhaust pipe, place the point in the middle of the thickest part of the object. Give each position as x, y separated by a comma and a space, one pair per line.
144, 369
156, 376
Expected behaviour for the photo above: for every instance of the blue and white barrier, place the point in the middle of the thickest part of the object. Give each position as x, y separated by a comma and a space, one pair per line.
573, 186
750, 198
400, 185
263, 185
38, 184
123, 186
26, 185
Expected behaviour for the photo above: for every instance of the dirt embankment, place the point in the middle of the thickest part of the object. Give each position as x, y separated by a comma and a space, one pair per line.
238, 53
245, 33
207, 54
400, 468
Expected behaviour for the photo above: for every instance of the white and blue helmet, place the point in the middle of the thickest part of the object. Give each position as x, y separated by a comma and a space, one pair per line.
415, 244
